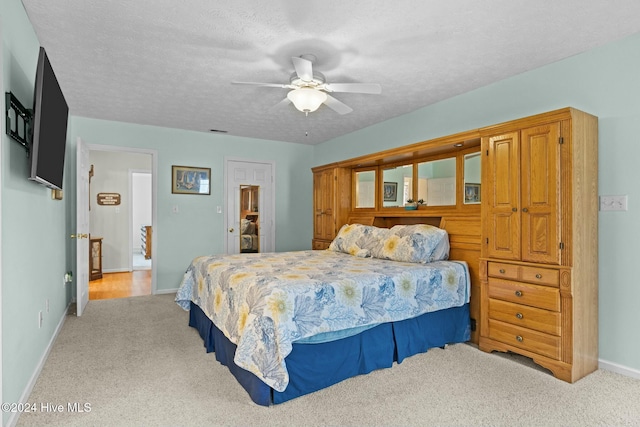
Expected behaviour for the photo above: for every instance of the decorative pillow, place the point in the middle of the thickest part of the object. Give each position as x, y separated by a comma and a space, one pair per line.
414, 243
359, 240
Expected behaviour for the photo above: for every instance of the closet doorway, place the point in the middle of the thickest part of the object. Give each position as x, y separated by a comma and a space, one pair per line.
250, 200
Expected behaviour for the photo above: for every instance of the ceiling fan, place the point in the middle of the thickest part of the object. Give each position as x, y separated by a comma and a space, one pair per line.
309, 88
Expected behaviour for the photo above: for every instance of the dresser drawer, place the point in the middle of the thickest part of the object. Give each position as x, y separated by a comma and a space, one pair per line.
542, 276
524, 293
525, 273
525, 316
505, 271
527, 339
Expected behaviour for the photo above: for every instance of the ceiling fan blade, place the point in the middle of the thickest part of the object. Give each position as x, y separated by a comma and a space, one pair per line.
304, 68
372, 88
337, 106
280, 85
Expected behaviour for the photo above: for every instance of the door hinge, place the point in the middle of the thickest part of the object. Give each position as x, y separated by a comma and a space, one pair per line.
561, 140
561, 245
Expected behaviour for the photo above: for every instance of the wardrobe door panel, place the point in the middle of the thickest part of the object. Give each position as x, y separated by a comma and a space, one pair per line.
540, 193
502, 193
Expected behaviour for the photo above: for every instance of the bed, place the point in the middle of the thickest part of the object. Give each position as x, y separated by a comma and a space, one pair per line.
288, 324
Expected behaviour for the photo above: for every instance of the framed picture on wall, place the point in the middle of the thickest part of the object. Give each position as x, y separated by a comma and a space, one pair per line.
390, 191
471, 193
190, 180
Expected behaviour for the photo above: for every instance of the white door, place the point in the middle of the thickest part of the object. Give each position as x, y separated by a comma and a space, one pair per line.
239, 173
82, 227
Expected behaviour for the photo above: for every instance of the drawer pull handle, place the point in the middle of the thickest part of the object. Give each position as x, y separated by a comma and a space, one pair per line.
502, 271
519, 315
519, 338
518, 293
538, 276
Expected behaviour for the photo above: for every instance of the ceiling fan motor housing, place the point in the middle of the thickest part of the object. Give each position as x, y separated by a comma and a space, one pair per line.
318, 80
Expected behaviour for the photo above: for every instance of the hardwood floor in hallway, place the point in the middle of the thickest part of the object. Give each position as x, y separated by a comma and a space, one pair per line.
121, 285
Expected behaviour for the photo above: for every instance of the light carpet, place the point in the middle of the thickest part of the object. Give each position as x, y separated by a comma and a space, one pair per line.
135, 362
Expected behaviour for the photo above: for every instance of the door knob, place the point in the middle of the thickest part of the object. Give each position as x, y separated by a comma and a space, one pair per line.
231, 230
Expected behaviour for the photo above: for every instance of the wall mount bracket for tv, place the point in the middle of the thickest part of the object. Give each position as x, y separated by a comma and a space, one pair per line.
18, 131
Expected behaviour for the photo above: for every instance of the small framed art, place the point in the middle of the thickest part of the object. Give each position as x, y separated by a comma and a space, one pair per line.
471, 193
190, 180
390, 191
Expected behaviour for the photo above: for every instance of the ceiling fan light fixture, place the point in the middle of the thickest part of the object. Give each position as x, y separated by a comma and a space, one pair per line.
306, 99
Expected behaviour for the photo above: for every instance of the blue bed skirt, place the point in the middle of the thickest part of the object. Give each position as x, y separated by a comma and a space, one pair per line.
313, 367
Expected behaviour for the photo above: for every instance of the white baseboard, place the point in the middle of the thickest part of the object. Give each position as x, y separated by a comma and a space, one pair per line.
13, 419
116, 270
619, 369
166, 291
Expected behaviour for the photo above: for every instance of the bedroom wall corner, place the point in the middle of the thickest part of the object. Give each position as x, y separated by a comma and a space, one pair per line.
33, 230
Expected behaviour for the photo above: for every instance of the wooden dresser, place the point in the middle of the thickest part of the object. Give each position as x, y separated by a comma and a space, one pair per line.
539, 253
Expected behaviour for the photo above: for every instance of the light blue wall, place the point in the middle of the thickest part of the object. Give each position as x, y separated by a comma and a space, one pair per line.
197, 229
34, 232
604, 82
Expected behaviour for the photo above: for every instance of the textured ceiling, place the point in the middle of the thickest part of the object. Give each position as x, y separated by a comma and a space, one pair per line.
171, 62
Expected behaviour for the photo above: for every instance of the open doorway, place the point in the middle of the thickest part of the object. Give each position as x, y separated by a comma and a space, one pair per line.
250, 214
141, 229
125, 178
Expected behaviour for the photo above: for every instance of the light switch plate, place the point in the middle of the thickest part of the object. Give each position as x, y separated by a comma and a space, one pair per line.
613, 203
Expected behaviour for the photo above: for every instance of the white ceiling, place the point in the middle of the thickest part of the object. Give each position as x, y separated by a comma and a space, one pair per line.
171, 62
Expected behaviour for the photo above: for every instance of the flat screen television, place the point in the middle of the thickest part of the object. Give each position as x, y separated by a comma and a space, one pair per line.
49, 126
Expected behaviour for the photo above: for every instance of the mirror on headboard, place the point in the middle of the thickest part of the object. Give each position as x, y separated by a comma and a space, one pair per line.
472, 178
437, 182
365, 189
397, 185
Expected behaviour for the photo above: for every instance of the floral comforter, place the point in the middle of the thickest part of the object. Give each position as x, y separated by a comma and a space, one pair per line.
264, 302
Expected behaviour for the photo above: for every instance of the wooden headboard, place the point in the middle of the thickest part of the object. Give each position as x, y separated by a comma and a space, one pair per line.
464, 241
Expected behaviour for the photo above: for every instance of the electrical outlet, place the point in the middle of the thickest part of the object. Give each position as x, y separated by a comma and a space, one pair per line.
613, 203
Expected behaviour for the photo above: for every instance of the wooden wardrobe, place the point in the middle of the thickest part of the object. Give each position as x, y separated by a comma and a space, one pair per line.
539, 254
531, 242
331, 203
